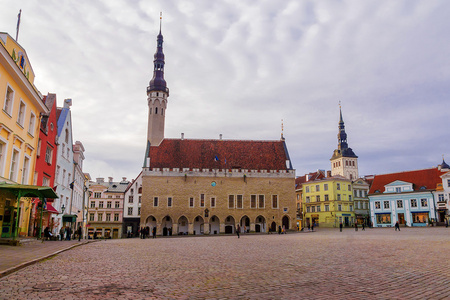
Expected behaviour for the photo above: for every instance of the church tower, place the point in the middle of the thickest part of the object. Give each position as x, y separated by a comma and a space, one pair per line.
157, 94
344, 161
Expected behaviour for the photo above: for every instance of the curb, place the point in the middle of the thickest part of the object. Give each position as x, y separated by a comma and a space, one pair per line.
31, 262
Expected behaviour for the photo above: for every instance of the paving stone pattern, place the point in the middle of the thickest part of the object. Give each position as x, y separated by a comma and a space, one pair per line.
327, 264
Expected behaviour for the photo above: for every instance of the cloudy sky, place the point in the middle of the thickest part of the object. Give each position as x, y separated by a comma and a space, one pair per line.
239, 67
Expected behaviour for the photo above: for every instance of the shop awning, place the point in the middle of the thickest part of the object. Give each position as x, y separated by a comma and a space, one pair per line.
70, 218
23, 190
51, 209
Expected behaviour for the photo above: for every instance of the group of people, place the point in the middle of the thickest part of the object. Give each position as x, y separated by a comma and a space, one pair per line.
65, 233
144, 232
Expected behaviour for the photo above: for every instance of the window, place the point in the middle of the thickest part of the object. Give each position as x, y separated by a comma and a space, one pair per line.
398, 189
413, 202
326, 198
338, 186
307, 189
313, 209
202, 200
2, 156
318, 208
155, 201
140, 199
25, 169
448, 182
99, 217
169, 201
108, 217
108, 204
424, 202
92, 204
308, 209
355, 193
262, 201
239, 203
441, 197
45, 181
100, 204
213, 202
116, 217
307, 199
9, 100
317, 188
21, 115
351, 207
252, 201
231, 201
318, 198
14, 165
377, 204
383, 218
32, 124
419, 217
325, 187
191, 202
399, 203
349, 187
339, 207
339, 197
130, 211
48, 155
349, 197
327, 207
91, 217
117, 204
130, 199
97, 194
274, 201
139, 211
66, 136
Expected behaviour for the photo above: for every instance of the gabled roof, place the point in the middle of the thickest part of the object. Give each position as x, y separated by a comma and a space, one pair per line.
427, 178
309, 177
220, 154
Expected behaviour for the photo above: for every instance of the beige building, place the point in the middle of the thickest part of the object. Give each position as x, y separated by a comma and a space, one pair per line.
211, 186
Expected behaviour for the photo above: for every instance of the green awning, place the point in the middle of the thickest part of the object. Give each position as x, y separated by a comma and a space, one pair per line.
23, 190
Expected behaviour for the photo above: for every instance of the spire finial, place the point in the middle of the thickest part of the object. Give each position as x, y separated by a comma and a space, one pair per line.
160, 21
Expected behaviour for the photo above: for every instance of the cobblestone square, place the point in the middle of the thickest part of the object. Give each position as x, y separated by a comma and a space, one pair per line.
326, 264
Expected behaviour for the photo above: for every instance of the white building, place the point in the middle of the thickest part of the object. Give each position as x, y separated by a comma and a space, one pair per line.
132, 208
79, 195
442, 195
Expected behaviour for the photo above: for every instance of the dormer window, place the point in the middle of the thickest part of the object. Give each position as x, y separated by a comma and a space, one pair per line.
398, 189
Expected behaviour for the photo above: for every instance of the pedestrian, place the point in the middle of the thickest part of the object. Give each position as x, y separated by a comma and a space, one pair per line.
284, 229
61, 234
356, 226
154, 232
312, 226
46, 234
363, 227
238, 229
79, 233
446, 223
279, 229
245, 229
340, 227
309, 227
397, 226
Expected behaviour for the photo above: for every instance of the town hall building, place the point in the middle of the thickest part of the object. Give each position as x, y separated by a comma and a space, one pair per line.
211, 186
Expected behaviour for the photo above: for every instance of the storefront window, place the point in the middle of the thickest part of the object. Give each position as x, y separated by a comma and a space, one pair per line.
384, 218
420, 217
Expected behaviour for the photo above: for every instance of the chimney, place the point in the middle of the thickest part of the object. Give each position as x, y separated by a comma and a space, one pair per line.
329, 173
110, 179
308, 177
182, 136
220, 136
124, 179
100, 180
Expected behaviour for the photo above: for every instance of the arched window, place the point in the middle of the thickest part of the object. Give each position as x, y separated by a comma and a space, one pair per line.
162, 111
67, 136
156, 110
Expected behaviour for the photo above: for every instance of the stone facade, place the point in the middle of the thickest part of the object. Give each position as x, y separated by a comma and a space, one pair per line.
200, 200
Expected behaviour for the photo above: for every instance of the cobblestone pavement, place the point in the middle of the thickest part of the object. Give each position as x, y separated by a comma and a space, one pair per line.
327, 264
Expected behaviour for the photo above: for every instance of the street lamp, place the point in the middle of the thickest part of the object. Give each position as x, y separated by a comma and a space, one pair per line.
63, 208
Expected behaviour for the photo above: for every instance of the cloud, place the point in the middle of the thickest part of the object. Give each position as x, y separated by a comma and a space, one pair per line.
239, 67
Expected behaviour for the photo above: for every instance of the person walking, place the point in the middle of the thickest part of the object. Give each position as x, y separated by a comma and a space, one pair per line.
238, 230
363, 227
356, 226
312, 226
446, 223
61, 234
279, 229
154, 232
79, 232
397, 226
340, 227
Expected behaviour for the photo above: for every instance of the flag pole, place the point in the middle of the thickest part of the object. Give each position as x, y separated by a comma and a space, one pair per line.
18, 24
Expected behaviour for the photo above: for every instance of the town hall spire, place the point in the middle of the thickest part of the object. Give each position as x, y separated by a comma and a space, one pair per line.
157, 94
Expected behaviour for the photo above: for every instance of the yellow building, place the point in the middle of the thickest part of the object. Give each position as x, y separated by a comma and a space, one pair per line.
22, 106
327, 202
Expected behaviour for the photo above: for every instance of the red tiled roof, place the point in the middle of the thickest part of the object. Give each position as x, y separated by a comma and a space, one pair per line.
299, 181
428, 178
231, 154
